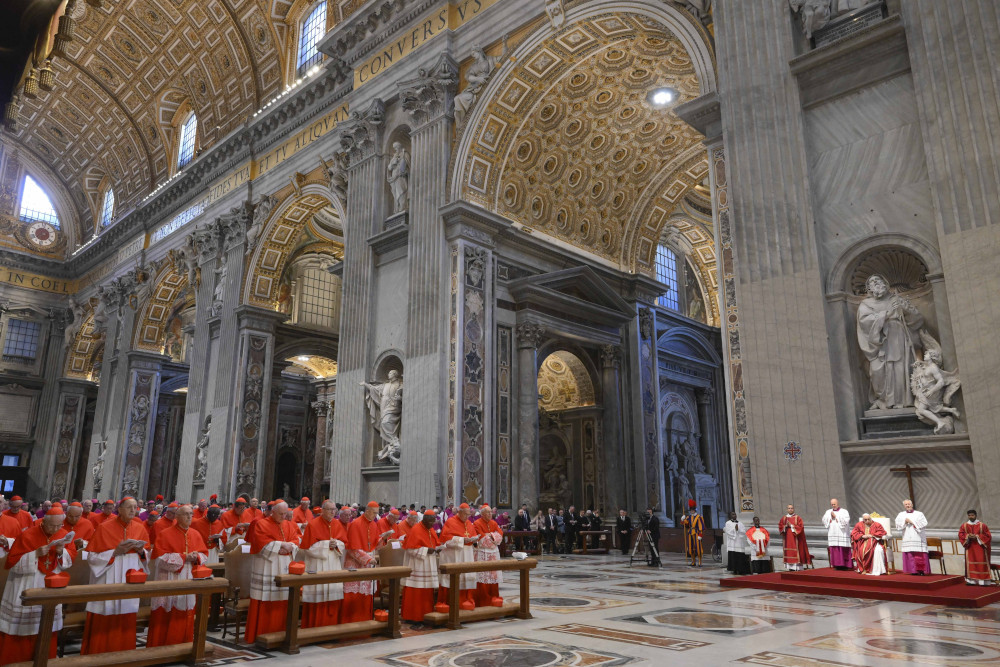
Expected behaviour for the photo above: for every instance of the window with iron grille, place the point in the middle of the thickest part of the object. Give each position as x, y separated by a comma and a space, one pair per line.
666, 273
36, 205
185, 150
108, 211
22, 340
319, 298
313, 29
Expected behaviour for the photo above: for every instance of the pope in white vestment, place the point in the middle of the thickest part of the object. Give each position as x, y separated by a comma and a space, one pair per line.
913, 525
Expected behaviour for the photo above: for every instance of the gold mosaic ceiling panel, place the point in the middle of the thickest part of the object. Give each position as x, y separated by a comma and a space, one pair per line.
128, 67
570, 144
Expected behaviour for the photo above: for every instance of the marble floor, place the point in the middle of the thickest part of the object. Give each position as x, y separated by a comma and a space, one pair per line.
595, 611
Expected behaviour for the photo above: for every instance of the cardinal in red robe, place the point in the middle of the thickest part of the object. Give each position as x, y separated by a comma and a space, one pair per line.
324, 542
38, 551
19, 513
82, 528
459, 538
177, 550
302, 515
107, 512
10, 530
487, 549
421, 547
237, 520
391, 522
212, 531
868, 547
119, 544
976, 538
273, 540
363, 539
793, 537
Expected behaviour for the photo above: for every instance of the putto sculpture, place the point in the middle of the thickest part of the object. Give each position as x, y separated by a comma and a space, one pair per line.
933, 388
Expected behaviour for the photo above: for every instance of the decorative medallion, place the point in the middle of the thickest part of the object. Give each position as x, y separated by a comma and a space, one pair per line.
792, 451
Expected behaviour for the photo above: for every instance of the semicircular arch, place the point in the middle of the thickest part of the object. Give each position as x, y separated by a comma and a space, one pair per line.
151, 323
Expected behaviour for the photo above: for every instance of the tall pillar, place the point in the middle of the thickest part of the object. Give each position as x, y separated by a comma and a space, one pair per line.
362, 141
144, 392
324, 412
650, 488
68, 433
529, 336
428, 100
614, 446
49, 416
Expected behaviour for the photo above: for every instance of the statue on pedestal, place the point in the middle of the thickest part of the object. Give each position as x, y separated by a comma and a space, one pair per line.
398, 177
385, 406
97, 470
888, 326
220, 285
201, 452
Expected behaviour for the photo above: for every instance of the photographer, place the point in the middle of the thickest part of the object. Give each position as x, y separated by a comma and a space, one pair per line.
652, 525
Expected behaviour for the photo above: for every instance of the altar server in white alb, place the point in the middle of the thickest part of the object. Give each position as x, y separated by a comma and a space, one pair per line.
838, 536
736, 545
913, 525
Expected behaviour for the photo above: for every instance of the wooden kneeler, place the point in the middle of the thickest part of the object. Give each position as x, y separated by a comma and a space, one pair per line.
455, 616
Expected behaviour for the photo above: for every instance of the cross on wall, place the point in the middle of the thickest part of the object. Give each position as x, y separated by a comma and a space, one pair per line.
909, 470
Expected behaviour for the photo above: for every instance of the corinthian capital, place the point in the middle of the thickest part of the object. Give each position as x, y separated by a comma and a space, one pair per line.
432, 92
529, 334
611, 356
361, 133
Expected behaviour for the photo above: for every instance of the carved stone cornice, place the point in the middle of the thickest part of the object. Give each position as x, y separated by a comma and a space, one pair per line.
223, 232
361, 135
432, 93
529, 334
371, 26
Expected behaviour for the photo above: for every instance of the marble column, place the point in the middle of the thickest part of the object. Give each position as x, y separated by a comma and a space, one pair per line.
428, 101
614, 447
144, 392
324, 413
361, 140
529, 336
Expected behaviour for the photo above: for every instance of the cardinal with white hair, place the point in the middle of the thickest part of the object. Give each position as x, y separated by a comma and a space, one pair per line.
273, 540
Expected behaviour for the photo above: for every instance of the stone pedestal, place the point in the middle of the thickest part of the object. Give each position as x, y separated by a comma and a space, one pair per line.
894, 423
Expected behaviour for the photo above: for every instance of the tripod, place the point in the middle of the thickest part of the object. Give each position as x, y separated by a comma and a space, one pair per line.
644, 545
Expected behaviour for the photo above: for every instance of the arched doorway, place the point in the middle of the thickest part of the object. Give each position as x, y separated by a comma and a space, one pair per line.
570, 433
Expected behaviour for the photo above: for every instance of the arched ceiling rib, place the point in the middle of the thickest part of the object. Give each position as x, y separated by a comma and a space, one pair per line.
223, 56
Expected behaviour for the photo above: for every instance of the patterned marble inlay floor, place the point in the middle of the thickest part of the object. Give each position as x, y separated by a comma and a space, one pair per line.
596, 611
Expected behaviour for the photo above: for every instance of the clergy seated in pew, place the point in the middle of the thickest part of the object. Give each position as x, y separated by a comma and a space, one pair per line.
178, 550
273, 540
120, 544
868, 547
41, 550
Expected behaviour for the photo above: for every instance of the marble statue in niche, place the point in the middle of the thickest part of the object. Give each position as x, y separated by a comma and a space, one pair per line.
933, 388
398, 177
384, 401
201, 452
888, 335
97, 471
220, 286
695, 302
815, 14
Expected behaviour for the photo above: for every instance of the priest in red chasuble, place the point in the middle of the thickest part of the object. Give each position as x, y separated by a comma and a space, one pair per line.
323, 542
487, 549
793, 536
868, 547
38, 551
363, 539
178, 549
273, 541
459, 538
119, 544
421, 547
975, 538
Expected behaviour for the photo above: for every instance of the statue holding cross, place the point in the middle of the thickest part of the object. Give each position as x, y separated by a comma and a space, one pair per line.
909, 470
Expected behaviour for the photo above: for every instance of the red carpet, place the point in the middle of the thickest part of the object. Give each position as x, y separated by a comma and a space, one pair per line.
944, 589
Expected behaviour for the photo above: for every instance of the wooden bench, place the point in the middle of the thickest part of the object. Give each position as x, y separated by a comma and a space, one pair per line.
193, 652
585, 534
456, 616
530, 536
289, 639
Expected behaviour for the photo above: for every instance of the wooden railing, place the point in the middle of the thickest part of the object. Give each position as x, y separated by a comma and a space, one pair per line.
293, 636
193, 652
455, 616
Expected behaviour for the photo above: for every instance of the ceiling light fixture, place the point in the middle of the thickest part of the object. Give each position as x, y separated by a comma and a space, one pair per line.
661, 97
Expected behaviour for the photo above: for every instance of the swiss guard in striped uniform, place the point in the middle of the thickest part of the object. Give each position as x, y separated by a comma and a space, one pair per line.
694, 525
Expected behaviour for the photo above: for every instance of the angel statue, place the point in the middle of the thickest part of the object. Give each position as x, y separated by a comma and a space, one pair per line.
933, 388
385, 406
480, 70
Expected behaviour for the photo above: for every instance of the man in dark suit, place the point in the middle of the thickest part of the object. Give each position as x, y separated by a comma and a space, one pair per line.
572, 527
653, 527
521, 522
551, 529
623, 529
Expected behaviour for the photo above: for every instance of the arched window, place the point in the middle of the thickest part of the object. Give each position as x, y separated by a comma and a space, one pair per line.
108, 209
185, 143
313, 29
35, 204
666, 273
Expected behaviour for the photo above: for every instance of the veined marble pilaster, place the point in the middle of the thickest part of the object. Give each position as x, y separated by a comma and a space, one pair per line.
611, 358
428, 100
68, 432
529, 336
144, 391
361, 140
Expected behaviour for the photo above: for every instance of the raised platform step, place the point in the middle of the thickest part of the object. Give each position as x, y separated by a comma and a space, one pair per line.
934, 589
831, 577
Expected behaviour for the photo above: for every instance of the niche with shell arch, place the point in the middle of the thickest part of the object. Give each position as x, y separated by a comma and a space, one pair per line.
387, 361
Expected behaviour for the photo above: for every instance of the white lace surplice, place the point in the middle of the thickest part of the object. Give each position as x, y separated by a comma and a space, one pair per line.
424, 564
106, 568
488, 549
914, 535
265, 566
457, 551
320, 558
15, 618
172, 567
838, 528
358, 559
